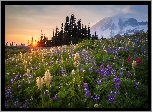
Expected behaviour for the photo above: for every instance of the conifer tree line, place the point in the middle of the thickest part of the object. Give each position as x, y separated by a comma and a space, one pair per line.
72, 33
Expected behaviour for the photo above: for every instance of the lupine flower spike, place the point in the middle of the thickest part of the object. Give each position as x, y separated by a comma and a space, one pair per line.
47, 77
39, 82
134, 64
129, 59
138, 62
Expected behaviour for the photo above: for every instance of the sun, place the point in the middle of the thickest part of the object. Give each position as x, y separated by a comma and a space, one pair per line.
34, 44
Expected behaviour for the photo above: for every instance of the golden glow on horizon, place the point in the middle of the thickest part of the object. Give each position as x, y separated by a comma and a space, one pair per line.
18, 39
34, 44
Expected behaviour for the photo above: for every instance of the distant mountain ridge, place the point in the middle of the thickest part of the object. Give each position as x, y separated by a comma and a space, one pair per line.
118, 25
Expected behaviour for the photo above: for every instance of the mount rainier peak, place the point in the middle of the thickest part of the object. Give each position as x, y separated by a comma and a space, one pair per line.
121, 24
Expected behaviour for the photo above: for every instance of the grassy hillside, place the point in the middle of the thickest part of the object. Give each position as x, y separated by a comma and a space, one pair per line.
91, 74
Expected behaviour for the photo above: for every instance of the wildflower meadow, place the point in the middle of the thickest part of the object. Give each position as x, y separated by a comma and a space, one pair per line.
110, 73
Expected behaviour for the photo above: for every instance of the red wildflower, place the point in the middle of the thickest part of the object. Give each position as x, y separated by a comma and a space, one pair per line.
138, 61
129, 59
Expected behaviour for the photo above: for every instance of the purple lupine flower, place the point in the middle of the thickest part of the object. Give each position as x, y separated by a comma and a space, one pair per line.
121, 74
85, 85
96, 97
25, 75
86, 89
8, 92
116, 92
46, 92
94, 63
16, 77
86, 58
63, 72
105, 74
99, 81
137, 85
97, 71
109, 67
16, 102
26, 101
117, 85
55, 97
111, 97
100, 71
12, 80
102, 65
30, 76
87, 94
23, 106
117, 82
6, 104
19, 86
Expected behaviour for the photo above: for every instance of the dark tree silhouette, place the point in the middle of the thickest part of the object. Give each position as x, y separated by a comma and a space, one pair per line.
71, 33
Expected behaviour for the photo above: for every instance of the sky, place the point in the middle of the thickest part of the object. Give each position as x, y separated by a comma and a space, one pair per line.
24, 21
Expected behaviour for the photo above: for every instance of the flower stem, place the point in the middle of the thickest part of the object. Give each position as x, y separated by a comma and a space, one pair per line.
42, 98
48, 90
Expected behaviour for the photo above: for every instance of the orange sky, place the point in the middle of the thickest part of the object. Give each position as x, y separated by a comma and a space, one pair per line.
23, 22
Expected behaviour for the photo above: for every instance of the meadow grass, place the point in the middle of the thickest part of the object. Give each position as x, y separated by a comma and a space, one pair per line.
91, 74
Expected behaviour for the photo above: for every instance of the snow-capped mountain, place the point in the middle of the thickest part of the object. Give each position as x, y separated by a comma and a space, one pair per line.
118, 25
